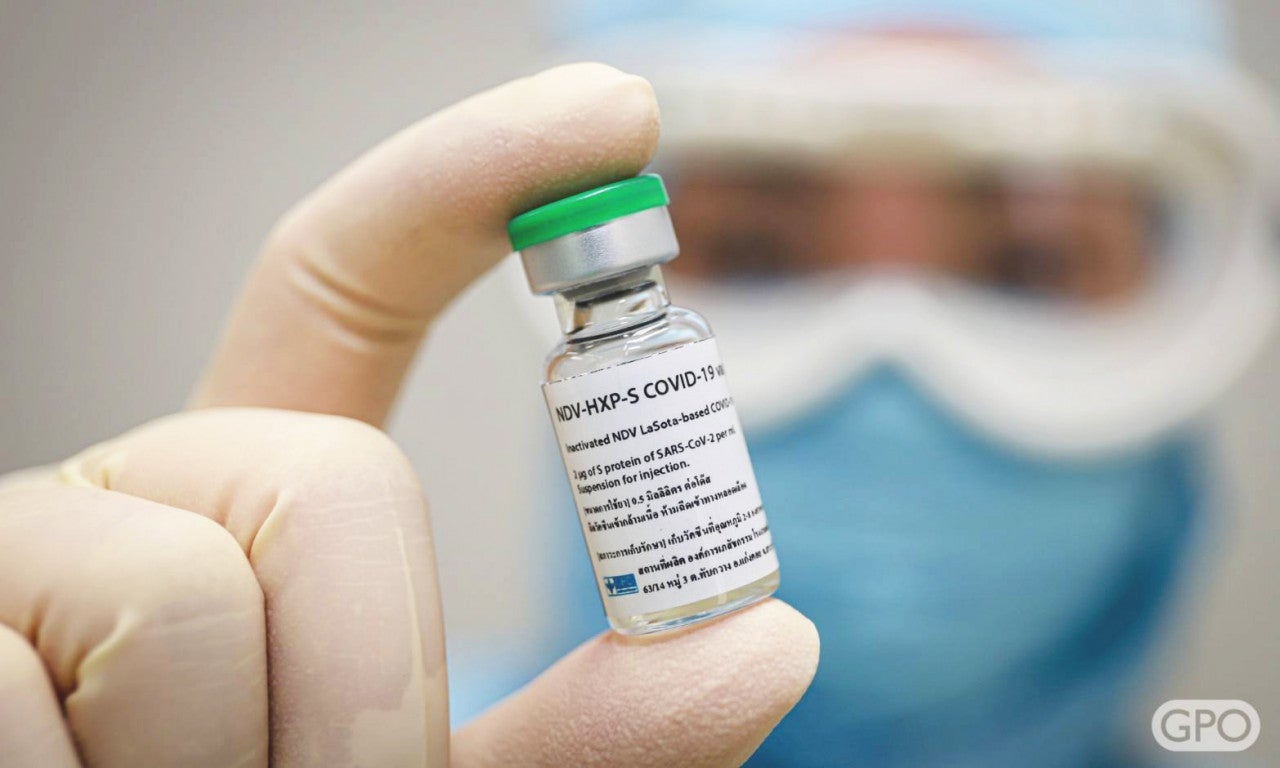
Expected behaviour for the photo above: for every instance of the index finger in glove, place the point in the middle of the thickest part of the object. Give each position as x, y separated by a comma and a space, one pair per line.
335, 308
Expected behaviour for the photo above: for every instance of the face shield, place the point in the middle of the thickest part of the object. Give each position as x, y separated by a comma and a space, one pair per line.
1067, 246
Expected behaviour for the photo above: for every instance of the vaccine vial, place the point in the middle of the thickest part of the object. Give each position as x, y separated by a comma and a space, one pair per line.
647, 429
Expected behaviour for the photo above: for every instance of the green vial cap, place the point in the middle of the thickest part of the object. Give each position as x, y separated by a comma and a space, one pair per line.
586, 210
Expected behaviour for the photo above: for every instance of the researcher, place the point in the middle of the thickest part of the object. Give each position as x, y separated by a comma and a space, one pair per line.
251, 582
979, 272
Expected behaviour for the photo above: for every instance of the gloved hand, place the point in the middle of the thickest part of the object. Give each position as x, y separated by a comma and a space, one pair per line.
232, 585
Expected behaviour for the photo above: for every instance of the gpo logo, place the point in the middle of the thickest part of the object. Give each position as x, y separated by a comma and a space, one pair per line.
1206, 725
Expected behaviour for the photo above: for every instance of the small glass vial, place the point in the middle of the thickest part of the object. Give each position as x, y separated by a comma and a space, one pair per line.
647, 429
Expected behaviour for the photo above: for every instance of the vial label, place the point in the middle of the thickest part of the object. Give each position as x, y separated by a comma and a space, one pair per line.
661, 478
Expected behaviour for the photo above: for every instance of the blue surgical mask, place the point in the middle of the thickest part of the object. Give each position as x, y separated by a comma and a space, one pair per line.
976, 606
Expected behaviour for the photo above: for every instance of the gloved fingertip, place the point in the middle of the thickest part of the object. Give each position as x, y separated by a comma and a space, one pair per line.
704, 696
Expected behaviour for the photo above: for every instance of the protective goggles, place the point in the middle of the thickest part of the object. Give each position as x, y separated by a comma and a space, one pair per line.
1075, 261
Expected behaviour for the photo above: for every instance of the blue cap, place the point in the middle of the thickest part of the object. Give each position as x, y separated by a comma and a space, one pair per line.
1187, 26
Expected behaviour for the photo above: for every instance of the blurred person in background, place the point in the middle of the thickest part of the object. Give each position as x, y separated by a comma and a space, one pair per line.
977, 269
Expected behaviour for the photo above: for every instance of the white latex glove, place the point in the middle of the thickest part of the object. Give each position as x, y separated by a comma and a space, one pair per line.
238, 585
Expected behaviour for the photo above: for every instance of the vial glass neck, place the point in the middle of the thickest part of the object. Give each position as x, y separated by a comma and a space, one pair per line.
614, 305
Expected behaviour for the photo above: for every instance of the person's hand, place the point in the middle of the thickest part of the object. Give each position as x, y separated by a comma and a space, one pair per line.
235, 585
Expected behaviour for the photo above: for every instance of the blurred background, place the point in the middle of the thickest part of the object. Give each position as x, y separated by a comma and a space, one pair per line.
145, 150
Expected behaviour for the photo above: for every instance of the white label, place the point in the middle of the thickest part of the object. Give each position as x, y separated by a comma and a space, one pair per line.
662, 481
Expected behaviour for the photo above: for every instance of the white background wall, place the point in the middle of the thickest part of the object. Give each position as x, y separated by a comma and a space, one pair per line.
146, 148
